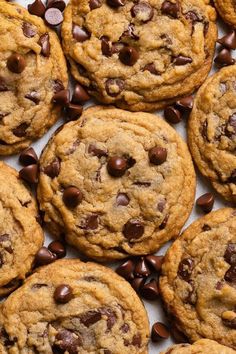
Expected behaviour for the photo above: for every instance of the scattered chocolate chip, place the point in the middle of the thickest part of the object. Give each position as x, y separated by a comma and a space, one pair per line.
126, 270
150, 290
182, 60
133, 229
20, 131
136, 341
125, 328
122, 199
111, 317
172, 115
72, 197
115, 3
93, 150
33, 96
90, 222
28, 30
142, 11
229, 40
141, 268
28, 157
137, 283
232, 178
44, 43
185, 268
59, 4
95, 4
63, 294
116, 166
170, 9
116, 47
90, 317
44, 256
3, 86
66, 342
206, 227
224, 58
205, 202
61, 97
53, 17
159, 332
29, 174
157, 155
80, 34
192, 16
151, 68
37, 8
155, 262
130, 161
128, 56
80, 95
16, 63
73, 112
53, 169
230, 275
57, 248
114, 87
164, 222
185, 103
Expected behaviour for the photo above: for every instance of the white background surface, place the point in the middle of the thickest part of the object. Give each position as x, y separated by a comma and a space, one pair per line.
154, 309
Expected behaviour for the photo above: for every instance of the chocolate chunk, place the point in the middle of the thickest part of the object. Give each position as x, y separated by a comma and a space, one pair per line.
117, 166
129, 33
126, 270
125, 328
157, 155
33, 96
80, 95
44, 43
59, 4
164, 222
115, 3
159, 332
230, 275
91, 317
111, 317
63, 294
136, 340
170, 9
61, 97
141, 269
150, 290
206, 227
229, 40
172, 115
230, 323
142, 11
57, 248
151, 68
128, 56
137, 283
28, 157
29, 174
122, 199
90, 222
37, 8
93, 150
72, 197
130, 161
95, 4
73, 112
114, 87
44, 256
80, 34
58, 85
182, 60
142, 184
232, 121
155, 261
230, 254
192, 16
185, 268
185, 104
3, 86
53, 17
106, 46
224, 58
20, 131
16, 63
133, 229
66, 342
4, 237
205, 202
53, 169
232, 178
28, 30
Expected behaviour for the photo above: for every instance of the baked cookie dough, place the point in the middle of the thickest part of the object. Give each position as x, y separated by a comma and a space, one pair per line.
20, 234
74, 307
199, 277
139, 55
227, 10
32, 70
212, 131
116, 183
202, 346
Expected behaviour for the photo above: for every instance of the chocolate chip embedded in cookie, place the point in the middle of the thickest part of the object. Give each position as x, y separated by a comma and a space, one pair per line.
32, 71
198, 282
116, 183
121, 53
20, 234
74, 307
212, 131
202, 346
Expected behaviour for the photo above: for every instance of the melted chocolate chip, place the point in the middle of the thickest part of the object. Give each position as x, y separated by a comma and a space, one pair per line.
182, 60
93, 150
20, 131
230, 254
129, 33
3, 86
44, 43
164, 222
230, 323
91, 317
63, 294
151, 68
80, 34
142, 11
114, 87
185, 268
170, 9
90, 222
53, 169
106, 46
33, 96
230, 275
95, 4
115, 3
67, 341
206, 227
28, 30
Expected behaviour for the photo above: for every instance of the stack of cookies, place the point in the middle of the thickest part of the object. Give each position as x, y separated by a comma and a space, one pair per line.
114, 181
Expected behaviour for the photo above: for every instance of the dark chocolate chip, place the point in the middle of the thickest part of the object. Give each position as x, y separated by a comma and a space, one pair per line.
185, 103
230, 254
128, 56
53, 17
161, 205
151, 68
59, 4
129, 33
122, 199
115, 3
20, 131
205, 202
150, 290
91, 317
3, 86
95, 4
44, 256
232, 178
93, 150
28, 30
137, 283
106, 46
229, 40
63, 294
28, 157
142, 184
53, 169
142, 269
230, 275
164, 222
142, 11
29, 173
72, 196
57, 248
157, 155
185, 268
172, 115
114, 87
80, 95
80, 34
206, 227
58, 85
33, 96
61, 97
182, 60
224, 58
44, 43
117, 166
155, 261
133, 229
90, 222
170, 9
66, 342
16, 63
73, 112
136, 340
159, 332
230, 323
37, 8
126, 270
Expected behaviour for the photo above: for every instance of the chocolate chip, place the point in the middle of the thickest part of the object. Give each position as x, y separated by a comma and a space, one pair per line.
192, 16
230, 275
224, 58
172, 115
111, 317
80, 34
72, 197
126, 270
159, 332
53, 17
141, 268
185, 268
28, 30
95, 4
90, 222
29, 174
61, 97
16, 63
44, 43
185, 104
80, 95
122, 199
59, 4
44, 256
58, 85
116, 166
137, 283
157, 155
205, 202
33, 96
136, 340
91, 317
164, 222
53, 169
66, 342
142, 11
128, 56
129, 33
170, 9
115, 3
130, 161
232, 121
20, 131
230, 323
133, 229
73, 112
93, 150
151, 68
155, 261
57, 248
206, 227
106, 46
28, 157
3, 86
114, 87
63, 294
37, 8
182, 60
230, 254
150, 291
229, 40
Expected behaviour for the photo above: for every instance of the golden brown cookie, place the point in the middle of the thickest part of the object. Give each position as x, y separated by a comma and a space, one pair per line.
202, 346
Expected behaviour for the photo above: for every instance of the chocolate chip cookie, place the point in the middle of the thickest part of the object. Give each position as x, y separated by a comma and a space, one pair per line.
20, 233
227, 10
32, 71
74, 307
198, 282
212, 131
116, 183
139, 55
202, 346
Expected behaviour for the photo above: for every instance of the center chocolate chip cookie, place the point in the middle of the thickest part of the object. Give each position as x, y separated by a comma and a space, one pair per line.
198, 282
74, 307
32, 71
20, 233
139, 55
212, 131
202, 346
116, 183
